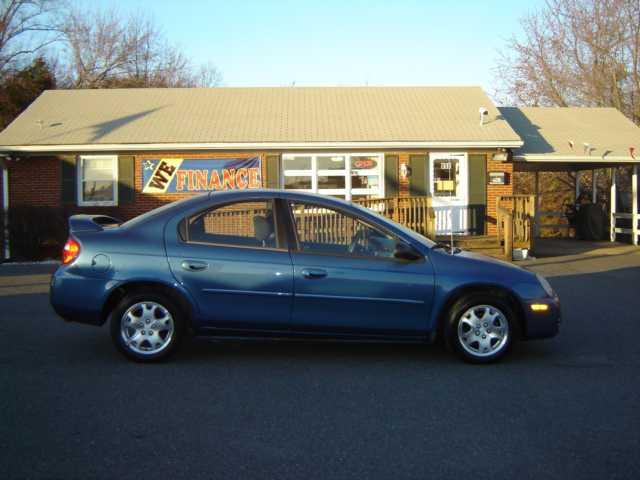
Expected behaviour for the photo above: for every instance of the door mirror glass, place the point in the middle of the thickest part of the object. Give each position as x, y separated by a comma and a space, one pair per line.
405, 252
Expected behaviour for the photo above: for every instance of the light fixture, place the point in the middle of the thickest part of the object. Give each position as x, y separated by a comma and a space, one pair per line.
405, 171
502, 155
539, 307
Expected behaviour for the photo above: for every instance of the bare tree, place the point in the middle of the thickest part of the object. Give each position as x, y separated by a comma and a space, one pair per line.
208, 75
575, 52
25, 28
104, 49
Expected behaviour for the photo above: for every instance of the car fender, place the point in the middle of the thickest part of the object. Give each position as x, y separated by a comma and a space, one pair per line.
133, 282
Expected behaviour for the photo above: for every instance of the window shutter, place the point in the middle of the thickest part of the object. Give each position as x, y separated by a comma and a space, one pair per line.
273, 170
477, 193
126, 179
391, 184
68, 175
418, 182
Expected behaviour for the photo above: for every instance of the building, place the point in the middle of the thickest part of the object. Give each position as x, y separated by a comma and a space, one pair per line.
125, 151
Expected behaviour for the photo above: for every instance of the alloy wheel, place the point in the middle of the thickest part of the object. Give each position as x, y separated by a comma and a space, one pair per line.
483, 330
147, 328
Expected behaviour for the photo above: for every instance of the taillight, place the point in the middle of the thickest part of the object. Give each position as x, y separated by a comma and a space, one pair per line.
70, 251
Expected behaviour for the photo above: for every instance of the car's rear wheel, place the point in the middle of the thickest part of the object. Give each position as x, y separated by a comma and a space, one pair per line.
481, 328
146, 327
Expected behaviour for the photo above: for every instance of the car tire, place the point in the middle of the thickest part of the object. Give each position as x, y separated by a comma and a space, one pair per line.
147, 327
481, 328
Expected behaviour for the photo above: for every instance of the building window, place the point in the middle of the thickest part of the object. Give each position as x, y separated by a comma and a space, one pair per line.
445, 177
98, 180
344, 175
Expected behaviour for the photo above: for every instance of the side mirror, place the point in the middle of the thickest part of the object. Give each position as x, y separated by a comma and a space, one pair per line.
405, 252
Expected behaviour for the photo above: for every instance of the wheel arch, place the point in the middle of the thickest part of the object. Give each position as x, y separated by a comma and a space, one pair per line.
140, 286
480, 288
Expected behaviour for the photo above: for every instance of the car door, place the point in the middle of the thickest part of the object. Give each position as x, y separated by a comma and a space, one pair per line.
346, 278
234, 261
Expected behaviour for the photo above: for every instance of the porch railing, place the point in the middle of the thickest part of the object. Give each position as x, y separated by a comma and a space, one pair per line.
515, 219
413, 212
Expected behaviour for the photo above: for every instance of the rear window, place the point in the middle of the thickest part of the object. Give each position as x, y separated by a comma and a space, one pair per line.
248, 224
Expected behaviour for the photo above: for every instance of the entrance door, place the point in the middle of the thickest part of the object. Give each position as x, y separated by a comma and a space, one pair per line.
449, 189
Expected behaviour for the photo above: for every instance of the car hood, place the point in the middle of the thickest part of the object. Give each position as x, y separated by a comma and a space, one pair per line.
479, 257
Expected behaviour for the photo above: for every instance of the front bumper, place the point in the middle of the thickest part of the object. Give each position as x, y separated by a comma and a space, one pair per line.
542, 324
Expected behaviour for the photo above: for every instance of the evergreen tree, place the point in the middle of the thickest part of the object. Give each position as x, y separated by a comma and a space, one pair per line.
19, 89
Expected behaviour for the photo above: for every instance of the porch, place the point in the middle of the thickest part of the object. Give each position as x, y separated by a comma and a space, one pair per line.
519, 226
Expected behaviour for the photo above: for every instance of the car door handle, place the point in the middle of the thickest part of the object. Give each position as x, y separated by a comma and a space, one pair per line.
313, 273
192, 266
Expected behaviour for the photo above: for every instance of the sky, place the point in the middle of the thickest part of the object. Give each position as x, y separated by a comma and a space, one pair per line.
332, 42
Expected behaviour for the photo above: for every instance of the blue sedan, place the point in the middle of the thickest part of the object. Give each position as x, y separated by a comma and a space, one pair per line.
287, 265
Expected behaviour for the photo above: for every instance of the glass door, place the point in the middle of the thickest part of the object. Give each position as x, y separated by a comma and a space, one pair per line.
449, 189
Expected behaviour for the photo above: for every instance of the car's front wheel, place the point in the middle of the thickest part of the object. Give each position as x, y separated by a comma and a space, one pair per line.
481, 328
146, 327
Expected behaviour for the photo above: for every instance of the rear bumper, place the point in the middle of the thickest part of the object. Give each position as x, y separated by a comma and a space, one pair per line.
76, 298
543, 324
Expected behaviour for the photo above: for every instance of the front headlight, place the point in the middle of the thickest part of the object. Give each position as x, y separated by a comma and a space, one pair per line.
546, 285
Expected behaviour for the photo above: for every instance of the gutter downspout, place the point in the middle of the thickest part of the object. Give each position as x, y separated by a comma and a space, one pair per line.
5, 207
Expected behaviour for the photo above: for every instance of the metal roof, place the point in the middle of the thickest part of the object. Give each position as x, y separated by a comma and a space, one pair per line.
573, 134
258, 117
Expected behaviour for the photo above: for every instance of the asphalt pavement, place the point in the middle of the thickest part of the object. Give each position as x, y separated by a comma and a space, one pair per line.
71, 407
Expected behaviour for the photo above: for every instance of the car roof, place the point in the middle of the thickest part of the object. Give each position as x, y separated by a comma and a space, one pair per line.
275, 193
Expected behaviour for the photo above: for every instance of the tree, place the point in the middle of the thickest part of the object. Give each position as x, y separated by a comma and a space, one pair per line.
103, 49
575, 53
21, 88
25, 29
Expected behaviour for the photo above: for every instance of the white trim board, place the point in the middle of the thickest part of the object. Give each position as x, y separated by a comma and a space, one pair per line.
117, 147
574, 159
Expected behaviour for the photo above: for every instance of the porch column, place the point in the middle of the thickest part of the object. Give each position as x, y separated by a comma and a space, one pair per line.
6, 253
594, 185
536, 214
634, 205
578, 177
612, 204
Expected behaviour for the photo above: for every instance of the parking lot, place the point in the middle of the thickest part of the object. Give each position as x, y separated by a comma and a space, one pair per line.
71, 407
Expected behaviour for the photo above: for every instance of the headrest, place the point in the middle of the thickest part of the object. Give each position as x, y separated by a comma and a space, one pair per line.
263, 227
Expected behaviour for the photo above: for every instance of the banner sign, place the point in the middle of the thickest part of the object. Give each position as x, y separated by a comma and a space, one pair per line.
177, 175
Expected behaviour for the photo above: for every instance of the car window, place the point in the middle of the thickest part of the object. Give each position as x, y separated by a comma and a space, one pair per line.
327, 231
241, 224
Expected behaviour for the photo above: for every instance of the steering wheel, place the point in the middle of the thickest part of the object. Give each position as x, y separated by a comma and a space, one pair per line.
357, 239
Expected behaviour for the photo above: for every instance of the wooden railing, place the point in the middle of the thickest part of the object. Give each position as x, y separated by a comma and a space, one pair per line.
413, 212
515, 219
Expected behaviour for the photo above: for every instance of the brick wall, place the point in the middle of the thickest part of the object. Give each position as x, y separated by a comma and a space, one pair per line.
37, 181
34, 181
494, 191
